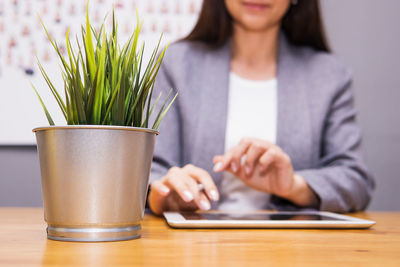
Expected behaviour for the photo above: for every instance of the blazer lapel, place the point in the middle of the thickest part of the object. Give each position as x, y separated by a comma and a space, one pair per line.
213, 107
294, 125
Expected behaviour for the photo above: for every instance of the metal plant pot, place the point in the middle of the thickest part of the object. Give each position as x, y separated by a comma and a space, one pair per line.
94, 180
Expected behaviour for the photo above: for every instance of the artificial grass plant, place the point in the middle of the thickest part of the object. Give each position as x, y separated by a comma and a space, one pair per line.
105, 84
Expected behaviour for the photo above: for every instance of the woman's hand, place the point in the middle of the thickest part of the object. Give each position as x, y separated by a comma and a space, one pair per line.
179, 190
265, 167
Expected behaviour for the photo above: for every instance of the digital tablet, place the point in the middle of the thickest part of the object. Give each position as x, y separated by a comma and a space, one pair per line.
264, 219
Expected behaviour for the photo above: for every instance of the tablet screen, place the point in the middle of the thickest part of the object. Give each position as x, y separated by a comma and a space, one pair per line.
257, 217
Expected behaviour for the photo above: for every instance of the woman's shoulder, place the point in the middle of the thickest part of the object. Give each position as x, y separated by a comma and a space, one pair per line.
184, 52
325, 65
324, 74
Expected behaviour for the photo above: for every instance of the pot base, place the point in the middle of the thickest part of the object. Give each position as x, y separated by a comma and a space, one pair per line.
93, 234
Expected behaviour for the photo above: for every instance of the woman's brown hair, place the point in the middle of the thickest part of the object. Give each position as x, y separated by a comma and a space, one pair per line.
302, 25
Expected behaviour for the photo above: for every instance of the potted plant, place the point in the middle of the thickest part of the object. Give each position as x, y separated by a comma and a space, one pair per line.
95, 170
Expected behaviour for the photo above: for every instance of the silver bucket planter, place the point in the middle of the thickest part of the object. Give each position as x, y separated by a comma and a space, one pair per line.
94, 180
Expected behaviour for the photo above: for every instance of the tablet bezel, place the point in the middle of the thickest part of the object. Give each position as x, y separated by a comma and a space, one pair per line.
176, 220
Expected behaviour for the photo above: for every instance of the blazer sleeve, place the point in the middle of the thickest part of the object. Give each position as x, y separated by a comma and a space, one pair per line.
167, 151
341, 181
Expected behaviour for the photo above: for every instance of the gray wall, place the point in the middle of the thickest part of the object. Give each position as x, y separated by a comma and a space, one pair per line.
19, 176
365, 34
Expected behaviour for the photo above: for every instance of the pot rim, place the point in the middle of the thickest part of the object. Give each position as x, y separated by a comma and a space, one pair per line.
96, 127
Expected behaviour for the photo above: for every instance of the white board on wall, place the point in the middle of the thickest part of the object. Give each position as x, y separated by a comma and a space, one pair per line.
22, 36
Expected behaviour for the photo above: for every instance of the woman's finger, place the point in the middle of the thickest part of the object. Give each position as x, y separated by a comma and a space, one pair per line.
231, 159
281, 159
253, 154
222, 163
217, 158
203, 201
267, 159
160, 188
175, 179
158, 195
238, 152
203, 177
176, 203
200, 199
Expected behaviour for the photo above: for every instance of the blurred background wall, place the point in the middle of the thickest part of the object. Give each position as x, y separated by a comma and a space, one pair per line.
365, 34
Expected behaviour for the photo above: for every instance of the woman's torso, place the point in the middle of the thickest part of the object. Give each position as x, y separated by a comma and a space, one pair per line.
307, 82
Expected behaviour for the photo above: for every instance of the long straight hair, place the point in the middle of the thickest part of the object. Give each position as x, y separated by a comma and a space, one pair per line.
302, 25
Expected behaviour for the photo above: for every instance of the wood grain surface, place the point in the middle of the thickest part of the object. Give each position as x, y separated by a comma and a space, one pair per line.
23, 242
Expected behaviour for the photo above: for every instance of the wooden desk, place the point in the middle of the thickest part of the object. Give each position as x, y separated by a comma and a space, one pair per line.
23, 242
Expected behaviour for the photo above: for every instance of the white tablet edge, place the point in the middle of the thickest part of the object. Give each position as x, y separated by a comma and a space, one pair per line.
175, 219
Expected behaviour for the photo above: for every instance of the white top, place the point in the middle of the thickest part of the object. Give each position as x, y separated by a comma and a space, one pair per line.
252, 112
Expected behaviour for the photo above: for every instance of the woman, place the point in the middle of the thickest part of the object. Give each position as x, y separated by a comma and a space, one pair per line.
265, 115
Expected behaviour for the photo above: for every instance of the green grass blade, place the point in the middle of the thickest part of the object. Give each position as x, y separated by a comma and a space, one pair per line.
162, 112
54, 44
48, 116
111, 103
88, 41
53, 90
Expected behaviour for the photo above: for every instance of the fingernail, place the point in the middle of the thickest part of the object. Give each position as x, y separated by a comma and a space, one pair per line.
218, 167
234, 167
247, 169
204, 205
214, 195
164, 190
188, 196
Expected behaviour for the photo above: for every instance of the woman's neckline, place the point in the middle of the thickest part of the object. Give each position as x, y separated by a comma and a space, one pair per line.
239, 78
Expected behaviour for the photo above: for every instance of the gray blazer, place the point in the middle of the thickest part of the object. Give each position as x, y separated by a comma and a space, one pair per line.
316, 120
